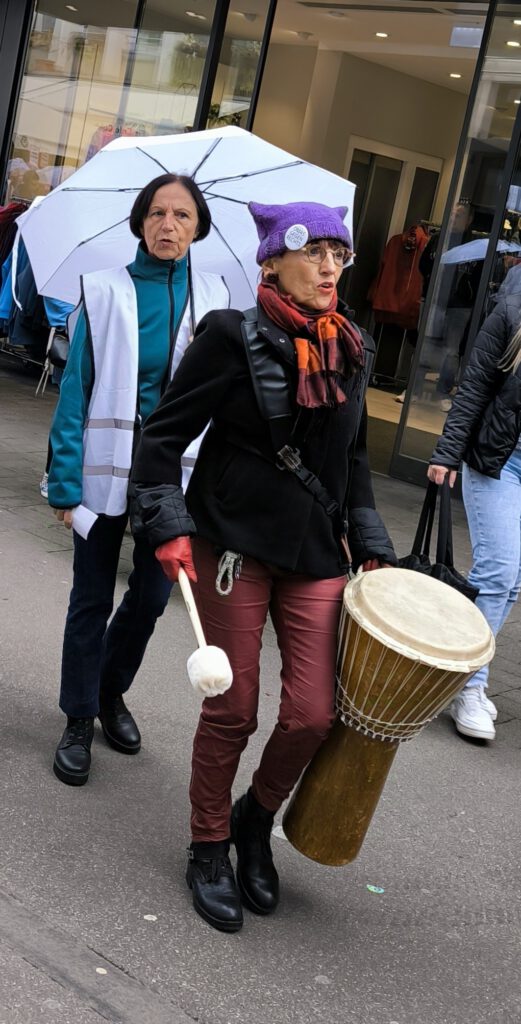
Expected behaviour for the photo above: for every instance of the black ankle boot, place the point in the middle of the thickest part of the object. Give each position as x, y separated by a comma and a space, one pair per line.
119, 727
72, 757
210, 877
257, 878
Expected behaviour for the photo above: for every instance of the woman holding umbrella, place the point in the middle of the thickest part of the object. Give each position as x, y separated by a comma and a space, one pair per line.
133, 326
283, 461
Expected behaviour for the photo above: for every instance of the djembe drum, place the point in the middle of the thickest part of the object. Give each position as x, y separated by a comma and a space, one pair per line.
408, 643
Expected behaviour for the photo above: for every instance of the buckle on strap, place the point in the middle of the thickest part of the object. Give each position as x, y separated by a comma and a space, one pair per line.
289, 457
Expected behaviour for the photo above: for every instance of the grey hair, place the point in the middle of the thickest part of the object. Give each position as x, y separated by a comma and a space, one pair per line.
512, 356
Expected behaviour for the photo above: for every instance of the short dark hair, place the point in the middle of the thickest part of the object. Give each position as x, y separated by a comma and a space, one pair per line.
143, 202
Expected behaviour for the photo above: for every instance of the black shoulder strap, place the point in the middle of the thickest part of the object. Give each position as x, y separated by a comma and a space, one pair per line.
272, 393
269, 381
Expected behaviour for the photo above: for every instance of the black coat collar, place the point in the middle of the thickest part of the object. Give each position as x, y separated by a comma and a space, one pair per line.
279, 339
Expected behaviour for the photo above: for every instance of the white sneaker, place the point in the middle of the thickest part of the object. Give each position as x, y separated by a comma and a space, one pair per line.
445, 404
470, 716
44, 485
488, 704
400, 398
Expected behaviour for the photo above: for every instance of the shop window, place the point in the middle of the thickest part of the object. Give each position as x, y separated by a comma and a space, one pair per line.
86, 84
456, 261
237, 71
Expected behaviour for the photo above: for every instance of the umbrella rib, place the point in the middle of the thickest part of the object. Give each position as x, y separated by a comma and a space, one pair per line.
153, 158
205, 157
230, 250
99, 233
226, 199
84, 242
251, 174
79, 188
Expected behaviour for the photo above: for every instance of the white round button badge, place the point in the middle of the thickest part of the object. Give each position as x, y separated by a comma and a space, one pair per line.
296, 236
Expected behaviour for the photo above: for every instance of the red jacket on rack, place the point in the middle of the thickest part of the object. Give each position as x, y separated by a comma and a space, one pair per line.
396, 292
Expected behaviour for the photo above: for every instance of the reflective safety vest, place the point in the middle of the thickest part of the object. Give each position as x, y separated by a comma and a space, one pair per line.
110, 303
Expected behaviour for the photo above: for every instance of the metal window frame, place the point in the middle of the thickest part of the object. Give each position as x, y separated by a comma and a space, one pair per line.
211, 64
14, 41
270, 18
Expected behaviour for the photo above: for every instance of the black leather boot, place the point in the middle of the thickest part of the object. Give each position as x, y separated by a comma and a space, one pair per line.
215, 895
72, 757
119, 727
257, 878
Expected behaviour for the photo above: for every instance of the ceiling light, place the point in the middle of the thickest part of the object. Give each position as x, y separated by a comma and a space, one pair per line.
517, 101
336, 14
517, 21
192, 14
304, 35
249, 16
513, 42
464, 35
382, 35
454, 74
69, 7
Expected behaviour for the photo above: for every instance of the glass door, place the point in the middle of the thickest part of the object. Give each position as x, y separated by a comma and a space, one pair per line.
474, 257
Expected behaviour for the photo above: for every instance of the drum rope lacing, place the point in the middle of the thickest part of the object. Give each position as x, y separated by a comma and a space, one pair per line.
401, 706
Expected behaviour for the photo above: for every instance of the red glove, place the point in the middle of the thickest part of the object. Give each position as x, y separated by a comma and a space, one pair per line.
375, 563
175, 555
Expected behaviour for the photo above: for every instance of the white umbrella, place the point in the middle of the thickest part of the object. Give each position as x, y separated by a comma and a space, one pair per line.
83, 224
475, 250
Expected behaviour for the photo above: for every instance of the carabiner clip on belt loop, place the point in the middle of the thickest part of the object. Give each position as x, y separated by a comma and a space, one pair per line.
228, 570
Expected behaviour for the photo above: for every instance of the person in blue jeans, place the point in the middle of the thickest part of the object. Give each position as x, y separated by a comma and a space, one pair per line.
483, 430
133, 326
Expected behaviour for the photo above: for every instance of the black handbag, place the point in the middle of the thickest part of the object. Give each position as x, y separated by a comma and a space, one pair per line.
58, 350
419, 558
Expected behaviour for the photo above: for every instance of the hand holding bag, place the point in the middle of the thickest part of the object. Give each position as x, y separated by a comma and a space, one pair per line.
419, 558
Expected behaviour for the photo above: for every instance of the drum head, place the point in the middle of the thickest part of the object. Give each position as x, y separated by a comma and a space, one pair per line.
420, 617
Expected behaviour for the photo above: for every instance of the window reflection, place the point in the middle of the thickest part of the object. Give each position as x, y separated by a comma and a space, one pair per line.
86, 84
445, 323
235, 79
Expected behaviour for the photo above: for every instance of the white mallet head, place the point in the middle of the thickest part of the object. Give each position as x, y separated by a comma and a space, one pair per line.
209, 671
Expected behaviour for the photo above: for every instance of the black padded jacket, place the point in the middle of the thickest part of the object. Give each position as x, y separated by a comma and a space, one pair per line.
484, 424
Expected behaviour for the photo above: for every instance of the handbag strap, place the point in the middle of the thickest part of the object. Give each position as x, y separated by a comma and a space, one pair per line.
422, 539
444, 547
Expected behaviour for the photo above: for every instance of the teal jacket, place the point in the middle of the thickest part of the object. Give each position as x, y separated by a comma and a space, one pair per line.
162, 293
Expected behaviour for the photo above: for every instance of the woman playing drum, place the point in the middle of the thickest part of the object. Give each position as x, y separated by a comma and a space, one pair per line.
276, 519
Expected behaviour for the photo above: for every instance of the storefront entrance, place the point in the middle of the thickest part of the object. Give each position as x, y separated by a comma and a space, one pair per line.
378, 92
417, 103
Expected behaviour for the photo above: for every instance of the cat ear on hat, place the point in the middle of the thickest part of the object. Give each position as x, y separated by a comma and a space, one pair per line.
259, 212
341, 210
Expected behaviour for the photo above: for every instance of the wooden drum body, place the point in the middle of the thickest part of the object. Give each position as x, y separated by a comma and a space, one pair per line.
408, 643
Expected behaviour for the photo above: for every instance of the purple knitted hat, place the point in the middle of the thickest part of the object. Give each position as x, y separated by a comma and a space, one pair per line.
292, 225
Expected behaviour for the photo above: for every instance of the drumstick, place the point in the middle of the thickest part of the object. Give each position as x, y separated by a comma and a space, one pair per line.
209, 669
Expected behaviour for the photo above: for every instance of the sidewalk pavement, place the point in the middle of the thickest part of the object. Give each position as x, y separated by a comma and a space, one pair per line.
95, 917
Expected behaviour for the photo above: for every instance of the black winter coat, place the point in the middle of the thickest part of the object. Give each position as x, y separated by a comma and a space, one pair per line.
237, 497
484, 423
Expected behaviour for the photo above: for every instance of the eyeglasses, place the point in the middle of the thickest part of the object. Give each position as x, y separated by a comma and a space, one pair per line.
316, 252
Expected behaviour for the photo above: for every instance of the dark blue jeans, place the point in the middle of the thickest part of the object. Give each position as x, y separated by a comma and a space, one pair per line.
96, 657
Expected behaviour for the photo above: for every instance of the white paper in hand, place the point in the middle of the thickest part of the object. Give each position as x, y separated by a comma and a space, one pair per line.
83, 520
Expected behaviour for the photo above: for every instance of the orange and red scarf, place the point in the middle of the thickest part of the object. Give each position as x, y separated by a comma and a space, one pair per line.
328, 358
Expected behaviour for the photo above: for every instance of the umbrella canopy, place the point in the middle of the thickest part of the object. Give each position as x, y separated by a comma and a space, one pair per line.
83, 224
475, 250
